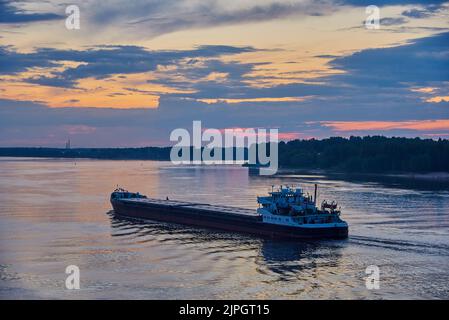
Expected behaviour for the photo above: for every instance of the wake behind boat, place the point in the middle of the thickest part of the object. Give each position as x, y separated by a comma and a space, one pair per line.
285, 213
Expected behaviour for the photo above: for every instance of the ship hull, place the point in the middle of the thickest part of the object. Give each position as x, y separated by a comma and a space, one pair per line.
214, 219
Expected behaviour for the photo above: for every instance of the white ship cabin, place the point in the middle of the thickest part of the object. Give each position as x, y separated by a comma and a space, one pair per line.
290, 206
285, 198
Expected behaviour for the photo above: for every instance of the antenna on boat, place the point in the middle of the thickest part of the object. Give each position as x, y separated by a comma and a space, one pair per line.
314, 198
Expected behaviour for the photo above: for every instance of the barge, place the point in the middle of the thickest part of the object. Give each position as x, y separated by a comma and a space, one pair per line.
285, 213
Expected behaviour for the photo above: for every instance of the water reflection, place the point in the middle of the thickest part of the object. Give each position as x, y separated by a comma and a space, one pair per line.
284, 258
57, 217
406, 181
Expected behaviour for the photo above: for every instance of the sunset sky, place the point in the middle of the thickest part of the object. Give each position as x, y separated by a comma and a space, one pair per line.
136, 70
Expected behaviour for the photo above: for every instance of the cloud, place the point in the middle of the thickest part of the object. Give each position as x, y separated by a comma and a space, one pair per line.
34, 124
12, 62
438, 99
416, 13
383, 72
101, 62
161, 17
378, 74
392, 21
422, 125
381, 86
427, 10
151, 18
389, 2
326, 56
11, 14
156, 17
420, 61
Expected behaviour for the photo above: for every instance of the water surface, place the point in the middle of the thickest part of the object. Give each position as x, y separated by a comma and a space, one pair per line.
55, 213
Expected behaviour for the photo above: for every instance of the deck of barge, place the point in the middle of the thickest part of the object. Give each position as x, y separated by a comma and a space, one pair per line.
194, 206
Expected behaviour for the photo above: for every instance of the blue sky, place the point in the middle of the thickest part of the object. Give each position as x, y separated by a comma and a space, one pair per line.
137, 70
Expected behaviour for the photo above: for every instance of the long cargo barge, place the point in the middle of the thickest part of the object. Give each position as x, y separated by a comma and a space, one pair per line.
286, 213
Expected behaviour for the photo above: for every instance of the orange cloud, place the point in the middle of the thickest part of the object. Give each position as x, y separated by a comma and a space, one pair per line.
419, 125
423, 90
126, 92
438, 99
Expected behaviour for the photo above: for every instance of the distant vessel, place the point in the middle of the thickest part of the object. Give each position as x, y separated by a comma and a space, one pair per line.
255, 168
286, 213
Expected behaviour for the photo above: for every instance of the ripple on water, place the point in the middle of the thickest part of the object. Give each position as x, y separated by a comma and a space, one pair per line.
58, 217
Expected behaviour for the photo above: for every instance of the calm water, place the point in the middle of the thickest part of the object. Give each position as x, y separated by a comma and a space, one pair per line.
55, 213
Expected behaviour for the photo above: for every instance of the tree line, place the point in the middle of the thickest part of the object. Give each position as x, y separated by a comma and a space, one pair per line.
369, 154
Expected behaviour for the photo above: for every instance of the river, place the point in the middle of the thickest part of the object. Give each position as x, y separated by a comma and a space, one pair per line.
55, 213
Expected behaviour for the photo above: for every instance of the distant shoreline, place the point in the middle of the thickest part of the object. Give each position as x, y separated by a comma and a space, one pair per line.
147, 153
368, 156
423, 176
428, 176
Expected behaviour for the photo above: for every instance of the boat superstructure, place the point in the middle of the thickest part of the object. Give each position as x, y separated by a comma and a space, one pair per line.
286, 213
289, 206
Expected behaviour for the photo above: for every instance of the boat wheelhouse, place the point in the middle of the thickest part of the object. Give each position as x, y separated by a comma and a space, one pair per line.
290, 206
